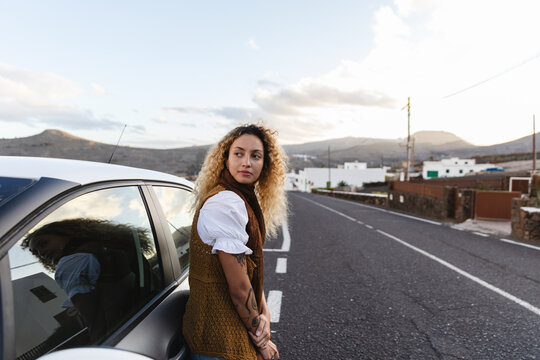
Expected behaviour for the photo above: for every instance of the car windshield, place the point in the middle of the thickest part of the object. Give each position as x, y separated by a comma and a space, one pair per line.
10, 187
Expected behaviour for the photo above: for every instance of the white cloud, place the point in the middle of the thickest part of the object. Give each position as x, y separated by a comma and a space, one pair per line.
160, 120
239, 114
25, 87
424, 49
98, 89
309, 94
408, 7
253, 44
390, 29
33, 97
268, 84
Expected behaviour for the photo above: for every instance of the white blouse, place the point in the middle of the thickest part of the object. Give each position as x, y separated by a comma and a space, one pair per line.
222, 223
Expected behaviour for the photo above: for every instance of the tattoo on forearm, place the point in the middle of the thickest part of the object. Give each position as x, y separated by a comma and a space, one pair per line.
250, 295
241, 258
255, 322
254, 302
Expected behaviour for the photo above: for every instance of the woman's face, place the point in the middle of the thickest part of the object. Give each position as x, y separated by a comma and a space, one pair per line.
246, 159
48, 246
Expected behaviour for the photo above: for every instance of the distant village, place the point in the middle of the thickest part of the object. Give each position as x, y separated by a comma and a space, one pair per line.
355, 175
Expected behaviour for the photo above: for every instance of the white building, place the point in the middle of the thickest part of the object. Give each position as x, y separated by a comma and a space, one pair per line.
293, 181
452, 167
355, 165
309, 178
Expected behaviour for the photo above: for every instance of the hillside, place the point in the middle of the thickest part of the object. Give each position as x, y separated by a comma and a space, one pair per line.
187, 161
435, 144
59, 144
438, 138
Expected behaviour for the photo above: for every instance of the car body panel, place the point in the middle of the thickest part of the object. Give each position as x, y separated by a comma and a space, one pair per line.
28, 202
167, 320
92, 353
155, 330
78, 171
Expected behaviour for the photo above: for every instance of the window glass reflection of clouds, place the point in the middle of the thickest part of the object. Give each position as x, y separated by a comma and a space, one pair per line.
176, 205
137, 206
120, 205
102, 204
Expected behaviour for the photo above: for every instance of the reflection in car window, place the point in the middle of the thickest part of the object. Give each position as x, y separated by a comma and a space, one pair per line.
82, 271
176, 204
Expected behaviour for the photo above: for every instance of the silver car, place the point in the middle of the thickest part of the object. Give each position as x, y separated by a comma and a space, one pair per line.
92, 256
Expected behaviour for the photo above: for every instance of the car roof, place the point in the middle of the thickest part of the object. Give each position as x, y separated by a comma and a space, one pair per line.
78, 171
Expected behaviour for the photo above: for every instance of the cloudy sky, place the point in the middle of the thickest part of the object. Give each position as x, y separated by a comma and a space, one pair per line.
182, 73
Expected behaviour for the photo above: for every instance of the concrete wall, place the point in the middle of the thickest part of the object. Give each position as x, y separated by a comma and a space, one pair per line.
526, 219
355, 165
464, 208
317, 177
431, 207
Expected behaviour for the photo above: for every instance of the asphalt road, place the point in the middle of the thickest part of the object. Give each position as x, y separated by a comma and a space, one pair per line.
362, 282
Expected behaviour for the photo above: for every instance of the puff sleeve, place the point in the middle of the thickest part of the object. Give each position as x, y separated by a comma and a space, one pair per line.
222, 223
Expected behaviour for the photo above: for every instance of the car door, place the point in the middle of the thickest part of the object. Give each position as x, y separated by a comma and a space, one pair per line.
94, 267
172, 205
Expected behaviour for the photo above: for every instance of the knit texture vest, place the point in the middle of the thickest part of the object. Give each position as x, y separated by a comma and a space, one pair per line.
211, 324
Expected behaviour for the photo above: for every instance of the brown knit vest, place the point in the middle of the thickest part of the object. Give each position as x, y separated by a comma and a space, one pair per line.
211, 324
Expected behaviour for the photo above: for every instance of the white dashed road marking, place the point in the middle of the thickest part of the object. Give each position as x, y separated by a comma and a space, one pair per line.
480, 234
332, 210
511, 297
286, 246
477, 280
281, 266
521, 244
274, 296
274, 305
392, 212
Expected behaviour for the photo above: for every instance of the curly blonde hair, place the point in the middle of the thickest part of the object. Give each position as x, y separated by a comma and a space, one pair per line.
269, 187
85, 231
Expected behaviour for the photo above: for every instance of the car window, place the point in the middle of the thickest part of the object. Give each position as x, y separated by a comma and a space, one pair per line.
82, 271
176, 204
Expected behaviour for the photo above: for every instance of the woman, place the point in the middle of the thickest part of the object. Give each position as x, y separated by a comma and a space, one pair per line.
239, 197
96, 263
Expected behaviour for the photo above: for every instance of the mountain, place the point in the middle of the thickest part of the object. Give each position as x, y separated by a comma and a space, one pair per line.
435, 144
186, 161
438, 138
59, 144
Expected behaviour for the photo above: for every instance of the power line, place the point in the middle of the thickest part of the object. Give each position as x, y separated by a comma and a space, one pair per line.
493, 77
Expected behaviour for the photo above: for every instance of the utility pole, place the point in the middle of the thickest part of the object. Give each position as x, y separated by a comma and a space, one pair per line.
408, 106
329, 183
412, 152
534, 145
